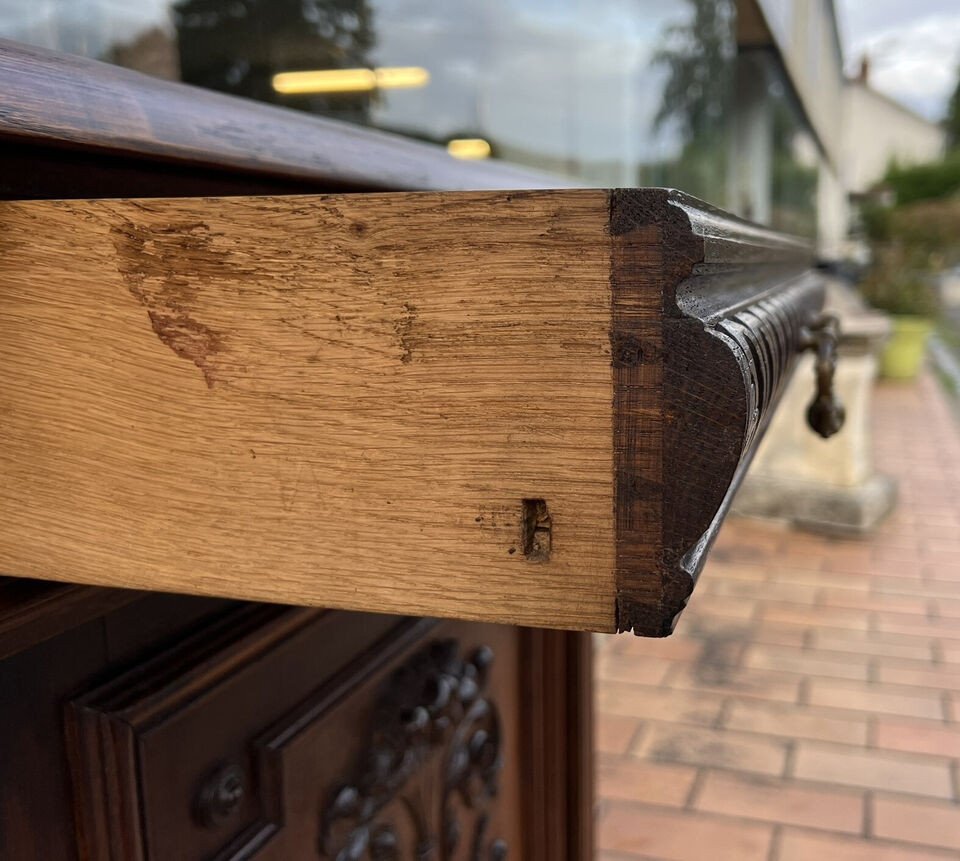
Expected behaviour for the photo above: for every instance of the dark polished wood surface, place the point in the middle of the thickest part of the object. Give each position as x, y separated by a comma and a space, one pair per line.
109, 119
36, 800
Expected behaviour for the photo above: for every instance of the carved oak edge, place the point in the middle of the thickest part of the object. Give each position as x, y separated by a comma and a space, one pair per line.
707, 313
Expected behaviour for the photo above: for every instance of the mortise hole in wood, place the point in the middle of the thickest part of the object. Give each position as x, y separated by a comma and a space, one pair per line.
535, 528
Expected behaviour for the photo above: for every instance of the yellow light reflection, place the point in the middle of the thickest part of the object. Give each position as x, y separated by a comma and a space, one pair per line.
351, 80
473, 148
401, 77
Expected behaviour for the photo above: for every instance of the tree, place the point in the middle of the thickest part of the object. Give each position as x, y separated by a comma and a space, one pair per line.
698, 56
952, 121
236, 46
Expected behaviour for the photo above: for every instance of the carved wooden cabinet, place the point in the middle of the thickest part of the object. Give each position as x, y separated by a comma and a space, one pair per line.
402, 746
425, 427
188, 728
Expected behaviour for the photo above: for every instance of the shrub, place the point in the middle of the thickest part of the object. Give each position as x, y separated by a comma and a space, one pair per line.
911, 245
924, 181
894, 285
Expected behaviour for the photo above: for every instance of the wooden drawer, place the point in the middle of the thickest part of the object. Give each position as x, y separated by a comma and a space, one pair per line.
286, 734
522, 407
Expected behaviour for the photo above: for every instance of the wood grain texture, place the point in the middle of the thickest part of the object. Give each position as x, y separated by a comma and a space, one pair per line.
526, 407
556, 710
331, 401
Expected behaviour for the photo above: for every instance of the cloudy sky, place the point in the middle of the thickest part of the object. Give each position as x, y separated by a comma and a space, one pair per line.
913, 45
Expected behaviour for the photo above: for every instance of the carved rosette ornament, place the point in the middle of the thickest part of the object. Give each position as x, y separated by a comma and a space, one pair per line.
429, 770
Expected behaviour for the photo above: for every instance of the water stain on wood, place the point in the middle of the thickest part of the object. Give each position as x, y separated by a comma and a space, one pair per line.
163, 268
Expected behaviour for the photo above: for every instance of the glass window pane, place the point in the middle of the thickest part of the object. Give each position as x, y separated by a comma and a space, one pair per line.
606, 92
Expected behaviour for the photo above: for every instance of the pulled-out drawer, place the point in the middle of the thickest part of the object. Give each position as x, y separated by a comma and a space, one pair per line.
522, 407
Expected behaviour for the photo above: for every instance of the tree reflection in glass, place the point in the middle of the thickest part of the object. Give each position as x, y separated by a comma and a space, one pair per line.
698, 56
236, 46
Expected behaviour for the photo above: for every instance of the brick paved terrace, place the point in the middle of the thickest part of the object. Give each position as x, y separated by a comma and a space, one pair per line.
808, 706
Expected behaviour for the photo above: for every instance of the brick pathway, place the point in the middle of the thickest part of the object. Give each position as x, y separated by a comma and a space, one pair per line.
809, 705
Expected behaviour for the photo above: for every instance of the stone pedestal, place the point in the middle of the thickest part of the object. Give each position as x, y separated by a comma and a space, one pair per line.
825, 485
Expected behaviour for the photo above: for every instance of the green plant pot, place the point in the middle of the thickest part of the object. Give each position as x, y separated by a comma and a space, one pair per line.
904, 352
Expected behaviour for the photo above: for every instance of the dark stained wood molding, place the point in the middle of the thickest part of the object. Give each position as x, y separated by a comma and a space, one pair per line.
56, 101
33, 611
706, 325
557, 712
101, 727
578, 742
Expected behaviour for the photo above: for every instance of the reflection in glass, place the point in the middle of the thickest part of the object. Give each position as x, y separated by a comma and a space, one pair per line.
237, 46
698, 56
311, 81
578, 87
774, 160
795, 171
607, 92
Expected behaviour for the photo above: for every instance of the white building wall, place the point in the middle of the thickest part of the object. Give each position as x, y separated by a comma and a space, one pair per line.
833, 214
877, 130
805, 31
859, 130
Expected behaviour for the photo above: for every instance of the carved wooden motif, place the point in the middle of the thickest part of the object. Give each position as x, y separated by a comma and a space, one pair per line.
434, 747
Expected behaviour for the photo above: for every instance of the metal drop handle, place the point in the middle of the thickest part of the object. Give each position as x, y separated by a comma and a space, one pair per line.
825, 413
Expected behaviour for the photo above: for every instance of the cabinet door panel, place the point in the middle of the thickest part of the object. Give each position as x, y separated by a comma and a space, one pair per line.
294, 734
